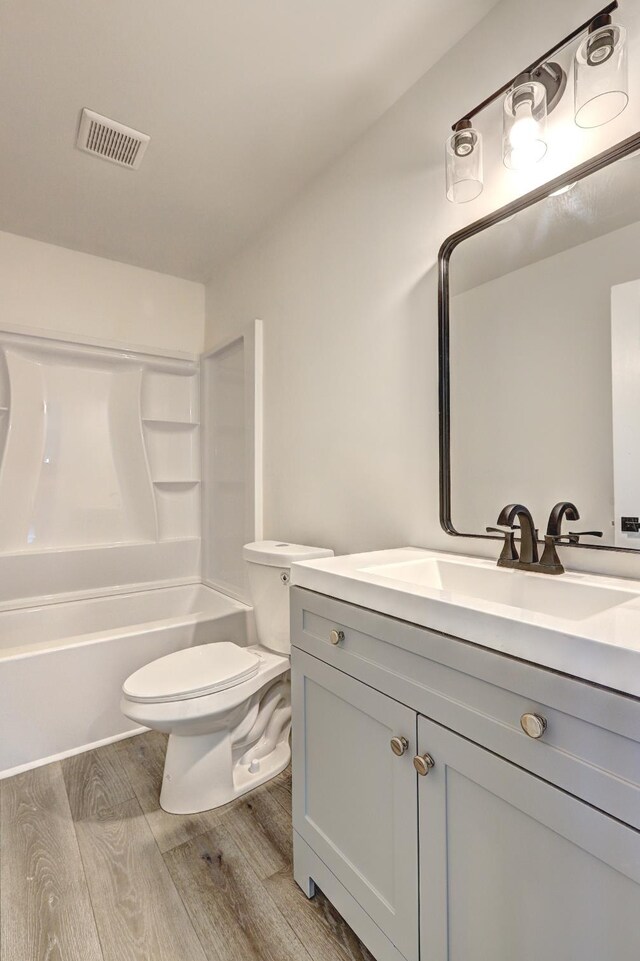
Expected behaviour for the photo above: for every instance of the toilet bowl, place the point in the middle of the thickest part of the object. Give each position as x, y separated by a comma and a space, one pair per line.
226, 708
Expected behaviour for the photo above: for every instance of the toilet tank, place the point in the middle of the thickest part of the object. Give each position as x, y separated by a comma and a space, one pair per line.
268, 564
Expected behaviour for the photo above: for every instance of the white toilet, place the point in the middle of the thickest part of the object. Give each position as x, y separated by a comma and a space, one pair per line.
226, 708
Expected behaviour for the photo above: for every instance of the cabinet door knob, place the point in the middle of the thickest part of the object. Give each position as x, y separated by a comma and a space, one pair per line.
399, 745
533, 725
423, 763
336, 637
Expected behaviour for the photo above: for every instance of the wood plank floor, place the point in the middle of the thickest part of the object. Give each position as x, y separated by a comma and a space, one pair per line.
91, 869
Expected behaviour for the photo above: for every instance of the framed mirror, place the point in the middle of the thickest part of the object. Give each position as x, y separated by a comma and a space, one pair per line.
539, 353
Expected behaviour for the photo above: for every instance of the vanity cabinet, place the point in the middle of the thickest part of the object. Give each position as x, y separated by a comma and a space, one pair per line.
511, 867
509, 846
358, 807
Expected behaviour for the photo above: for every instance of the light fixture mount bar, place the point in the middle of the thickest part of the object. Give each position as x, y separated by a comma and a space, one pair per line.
543, 70
553, 78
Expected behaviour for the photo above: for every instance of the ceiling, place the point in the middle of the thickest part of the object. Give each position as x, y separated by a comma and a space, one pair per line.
245, 101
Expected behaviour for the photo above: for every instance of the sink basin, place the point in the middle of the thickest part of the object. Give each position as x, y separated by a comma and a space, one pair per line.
538, 593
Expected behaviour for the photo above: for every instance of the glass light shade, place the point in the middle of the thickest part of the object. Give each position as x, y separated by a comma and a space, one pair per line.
524, 132
601, 76
463, 152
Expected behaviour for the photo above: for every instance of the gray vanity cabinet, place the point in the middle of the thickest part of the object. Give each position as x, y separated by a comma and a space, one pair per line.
355, 801
513, 868
510, 847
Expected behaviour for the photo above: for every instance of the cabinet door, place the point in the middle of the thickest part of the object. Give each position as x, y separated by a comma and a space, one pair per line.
514, 868
354, 800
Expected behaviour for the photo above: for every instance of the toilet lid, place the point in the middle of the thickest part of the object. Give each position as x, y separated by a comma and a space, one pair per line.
193, 672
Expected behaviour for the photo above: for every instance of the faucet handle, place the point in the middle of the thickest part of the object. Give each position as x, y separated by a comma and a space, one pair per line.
550, 563
509, 554
573, 537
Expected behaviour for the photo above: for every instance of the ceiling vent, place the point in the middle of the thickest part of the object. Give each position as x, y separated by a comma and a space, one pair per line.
111, 140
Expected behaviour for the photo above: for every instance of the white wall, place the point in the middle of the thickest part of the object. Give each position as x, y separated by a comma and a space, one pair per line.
345, 282
57, 290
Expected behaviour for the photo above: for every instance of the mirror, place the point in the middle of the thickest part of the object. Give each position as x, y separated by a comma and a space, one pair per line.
540, 356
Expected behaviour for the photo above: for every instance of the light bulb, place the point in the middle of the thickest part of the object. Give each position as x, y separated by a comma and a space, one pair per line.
524, 132
524, 126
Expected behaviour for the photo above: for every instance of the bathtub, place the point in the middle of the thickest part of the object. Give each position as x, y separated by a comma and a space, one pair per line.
62, 664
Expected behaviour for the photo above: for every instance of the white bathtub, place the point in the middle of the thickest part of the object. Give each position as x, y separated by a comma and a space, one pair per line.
62, 665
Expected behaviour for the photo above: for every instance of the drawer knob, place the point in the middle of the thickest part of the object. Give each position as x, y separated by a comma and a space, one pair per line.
423, 764
399, 745
533, 725
336, 637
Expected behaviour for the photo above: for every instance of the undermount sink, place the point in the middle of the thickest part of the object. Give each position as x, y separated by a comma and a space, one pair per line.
539, 593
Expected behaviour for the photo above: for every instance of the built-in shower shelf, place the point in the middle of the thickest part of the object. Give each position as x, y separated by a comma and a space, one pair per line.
170, 424
4, 410
175, 484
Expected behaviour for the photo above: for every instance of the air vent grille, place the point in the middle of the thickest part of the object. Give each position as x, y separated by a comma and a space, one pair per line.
111, 140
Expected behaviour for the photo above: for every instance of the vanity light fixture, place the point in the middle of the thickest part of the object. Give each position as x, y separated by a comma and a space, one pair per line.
600, 90
601, 74
464, 163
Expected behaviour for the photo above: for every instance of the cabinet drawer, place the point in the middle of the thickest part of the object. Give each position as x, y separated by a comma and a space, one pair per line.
590, 746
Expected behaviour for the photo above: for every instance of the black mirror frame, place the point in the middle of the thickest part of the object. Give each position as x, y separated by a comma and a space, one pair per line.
604, 159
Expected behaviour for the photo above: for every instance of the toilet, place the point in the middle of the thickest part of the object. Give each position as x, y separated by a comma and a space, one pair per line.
226, 708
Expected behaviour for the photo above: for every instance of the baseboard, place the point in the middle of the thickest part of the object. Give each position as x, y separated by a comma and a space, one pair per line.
21, 768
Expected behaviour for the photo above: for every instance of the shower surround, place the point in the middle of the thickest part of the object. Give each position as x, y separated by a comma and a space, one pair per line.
98, 447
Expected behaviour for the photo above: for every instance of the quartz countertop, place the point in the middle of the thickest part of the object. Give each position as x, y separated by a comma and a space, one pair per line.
601, 647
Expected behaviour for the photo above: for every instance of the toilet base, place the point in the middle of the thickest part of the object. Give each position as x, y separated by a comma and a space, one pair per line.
199, 774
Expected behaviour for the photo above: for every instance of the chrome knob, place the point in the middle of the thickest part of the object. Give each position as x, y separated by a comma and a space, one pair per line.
399, 745
336, 637
423, 763
533, 725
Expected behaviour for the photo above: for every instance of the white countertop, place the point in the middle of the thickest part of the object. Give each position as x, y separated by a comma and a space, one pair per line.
603, 648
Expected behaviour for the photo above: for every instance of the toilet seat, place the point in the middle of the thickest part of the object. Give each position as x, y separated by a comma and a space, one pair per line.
193, 672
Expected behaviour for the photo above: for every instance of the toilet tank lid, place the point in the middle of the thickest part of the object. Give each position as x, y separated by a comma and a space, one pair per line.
281, 553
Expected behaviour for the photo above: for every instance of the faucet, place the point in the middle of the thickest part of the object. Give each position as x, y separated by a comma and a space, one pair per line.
550, 563
528, 536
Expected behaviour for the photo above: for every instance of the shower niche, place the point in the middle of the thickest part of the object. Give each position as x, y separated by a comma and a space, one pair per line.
170, 418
